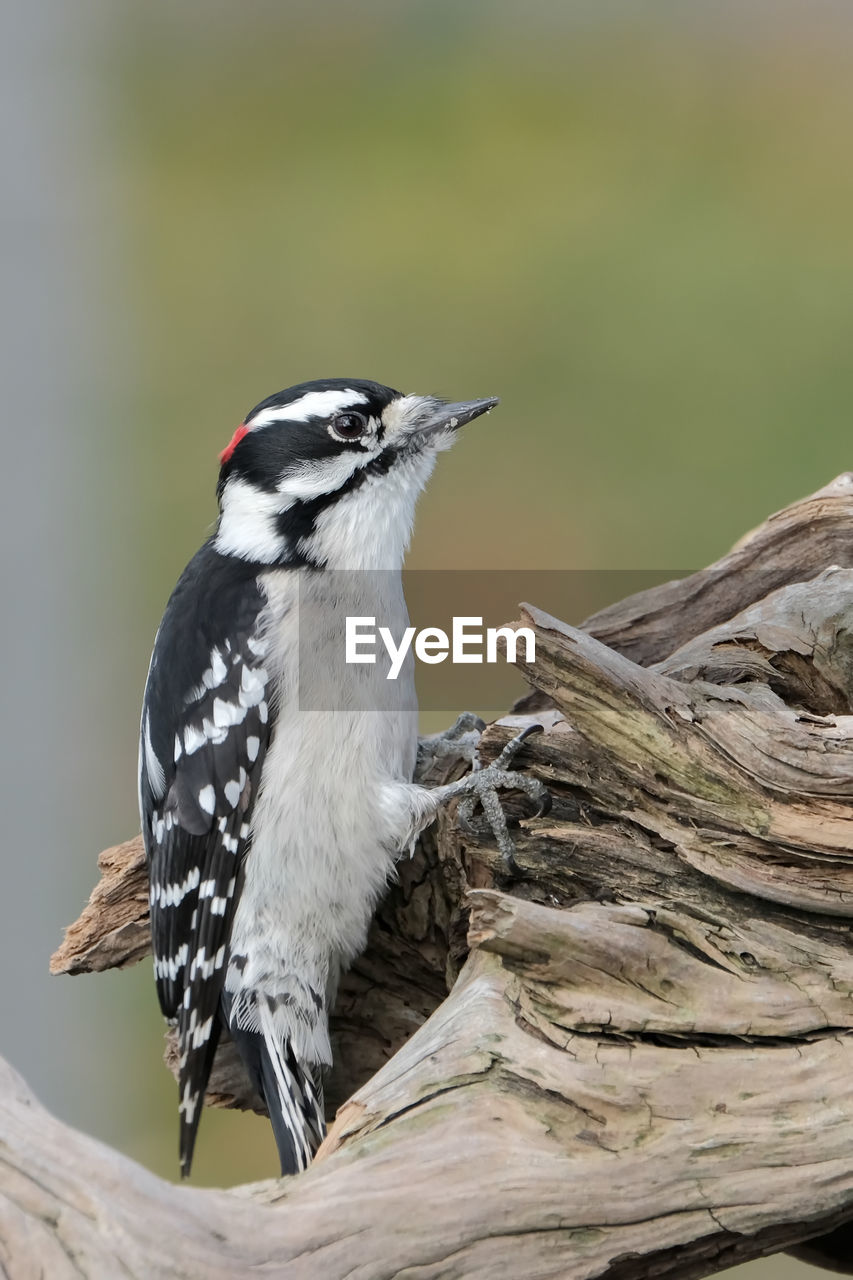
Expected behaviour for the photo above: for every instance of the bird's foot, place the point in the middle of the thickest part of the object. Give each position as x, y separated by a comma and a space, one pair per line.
481, 788
460, 741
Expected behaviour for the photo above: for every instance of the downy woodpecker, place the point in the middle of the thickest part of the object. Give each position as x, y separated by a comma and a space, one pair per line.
271, 828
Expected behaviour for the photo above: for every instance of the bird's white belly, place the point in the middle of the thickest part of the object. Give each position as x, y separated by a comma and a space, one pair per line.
324, 835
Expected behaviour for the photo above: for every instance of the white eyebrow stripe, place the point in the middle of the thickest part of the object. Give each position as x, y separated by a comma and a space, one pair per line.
314, 404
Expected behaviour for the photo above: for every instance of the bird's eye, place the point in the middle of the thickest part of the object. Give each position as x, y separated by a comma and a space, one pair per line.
349, 426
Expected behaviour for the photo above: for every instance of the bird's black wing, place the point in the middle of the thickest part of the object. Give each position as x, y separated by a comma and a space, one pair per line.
206, 723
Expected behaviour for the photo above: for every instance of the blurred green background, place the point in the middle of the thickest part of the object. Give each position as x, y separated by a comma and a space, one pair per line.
632, 222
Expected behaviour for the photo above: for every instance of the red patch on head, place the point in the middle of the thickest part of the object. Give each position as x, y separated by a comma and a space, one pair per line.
225, 455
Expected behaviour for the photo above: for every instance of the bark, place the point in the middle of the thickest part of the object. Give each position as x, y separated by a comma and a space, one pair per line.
634, 1059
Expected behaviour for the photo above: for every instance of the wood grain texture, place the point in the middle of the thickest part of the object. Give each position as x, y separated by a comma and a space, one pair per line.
793, 545
633, 1059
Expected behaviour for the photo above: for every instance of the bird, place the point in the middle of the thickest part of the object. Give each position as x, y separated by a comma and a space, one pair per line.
276, 795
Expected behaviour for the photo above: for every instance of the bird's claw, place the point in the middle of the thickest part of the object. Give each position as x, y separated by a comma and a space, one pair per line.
459, 741
465, 723
482, 786
512, 748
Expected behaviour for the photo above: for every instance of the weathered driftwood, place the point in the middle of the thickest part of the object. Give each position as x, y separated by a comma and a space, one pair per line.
644, 1064
791, 546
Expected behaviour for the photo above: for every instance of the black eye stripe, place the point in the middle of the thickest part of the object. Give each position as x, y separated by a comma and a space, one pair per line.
299, 521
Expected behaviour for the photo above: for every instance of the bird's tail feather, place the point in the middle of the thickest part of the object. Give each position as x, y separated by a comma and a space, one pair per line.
291, 1089
295, 1102
194, 1072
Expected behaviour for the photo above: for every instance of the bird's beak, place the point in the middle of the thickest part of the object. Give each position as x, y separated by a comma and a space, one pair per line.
434, 416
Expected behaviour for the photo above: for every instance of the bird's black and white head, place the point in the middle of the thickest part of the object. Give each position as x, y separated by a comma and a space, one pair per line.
328, 473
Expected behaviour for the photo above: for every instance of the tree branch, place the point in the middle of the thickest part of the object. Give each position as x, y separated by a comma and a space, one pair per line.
643, 1065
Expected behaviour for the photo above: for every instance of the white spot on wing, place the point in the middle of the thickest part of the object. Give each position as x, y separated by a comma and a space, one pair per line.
216, 672
228, 713
201, 965
170, 966
252, 685
207, 799
171, 895
193, 739
213, 734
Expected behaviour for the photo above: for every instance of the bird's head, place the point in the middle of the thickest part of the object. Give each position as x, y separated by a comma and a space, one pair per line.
327, 473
